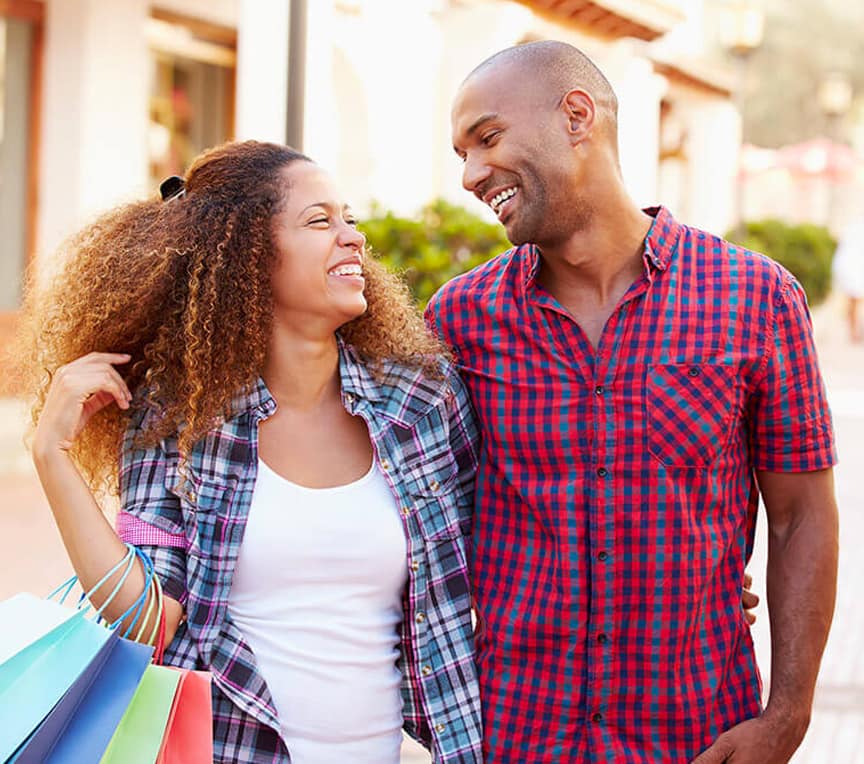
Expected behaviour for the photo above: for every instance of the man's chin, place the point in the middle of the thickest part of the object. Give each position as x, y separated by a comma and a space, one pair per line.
517, 235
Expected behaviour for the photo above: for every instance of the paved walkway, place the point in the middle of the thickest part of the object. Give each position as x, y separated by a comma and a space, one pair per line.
34, 559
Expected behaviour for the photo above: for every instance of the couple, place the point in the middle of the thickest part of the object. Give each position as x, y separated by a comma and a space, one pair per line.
302, 461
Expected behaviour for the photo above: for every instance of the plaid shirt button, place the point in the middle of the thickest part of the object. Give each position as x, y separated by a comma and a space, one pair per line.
434, 485
426, 670
439, 727
420, 617
597, 717
602, 472
385, 465
602, 639
599, 390
603, 556
415, 565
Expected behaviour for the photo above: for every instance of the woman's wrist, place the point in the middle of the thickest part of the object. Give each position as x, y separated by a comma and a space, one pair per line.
47, 454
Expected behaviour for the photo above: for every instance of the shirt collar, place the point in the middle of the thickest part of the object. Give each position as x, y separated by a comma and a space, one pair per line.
402, 395
661, 243
398, 393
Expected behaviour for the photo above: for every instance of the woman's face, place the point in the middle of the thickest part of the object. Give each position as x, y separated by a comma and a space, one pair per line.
318, 282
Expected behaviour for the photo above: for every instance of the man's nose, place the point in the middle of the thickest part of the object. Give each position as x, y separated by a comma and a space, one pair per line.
473, 174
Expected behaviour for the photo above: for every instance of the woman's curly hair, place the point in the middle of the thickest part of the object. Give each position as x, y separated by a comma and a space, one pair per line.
184, 287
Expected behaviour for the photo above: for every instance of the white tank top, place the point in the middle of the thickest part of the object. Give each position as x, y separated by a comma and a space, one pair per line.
317, 593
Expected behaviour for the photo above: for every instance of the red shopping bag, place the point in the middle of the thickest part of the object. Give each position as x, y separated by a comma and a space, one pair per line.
189, 733
188, 737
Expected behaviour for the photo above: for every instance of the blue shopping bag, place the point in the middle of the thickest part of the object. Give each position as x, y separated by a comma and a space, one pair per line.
34, 679
79, 728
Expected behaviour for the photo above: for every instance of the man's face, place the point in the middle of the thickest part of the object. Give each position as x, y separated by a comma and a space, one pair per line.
516, 153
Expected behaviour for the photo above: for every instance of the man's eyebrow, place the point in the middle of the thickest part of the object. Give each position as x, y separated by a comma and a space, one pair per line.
477, 124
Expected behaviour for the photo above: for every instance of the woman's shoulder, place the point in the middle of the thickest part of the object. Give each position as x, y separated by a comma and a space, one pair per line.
402, 391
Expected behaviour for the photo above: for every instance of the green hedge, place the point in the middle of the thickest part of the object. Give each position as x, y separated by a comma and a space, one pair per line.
441, 242
806, 250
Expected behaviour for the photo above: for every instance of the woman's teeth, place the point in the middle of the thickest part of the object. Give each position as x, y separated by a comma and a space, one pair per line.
347, 270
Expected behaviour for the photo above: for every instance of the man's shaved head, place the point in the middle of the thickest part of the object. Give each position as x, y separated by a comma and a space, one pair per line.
558, 68
536, 129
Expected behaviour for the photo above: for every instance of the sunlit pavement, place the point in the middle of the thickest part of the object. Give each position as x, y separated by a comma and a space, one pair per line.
34, 559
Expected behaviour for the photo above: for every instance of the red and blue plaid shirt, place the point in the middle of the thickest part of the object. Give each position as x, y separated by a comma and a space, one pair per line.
425, 441
616, 500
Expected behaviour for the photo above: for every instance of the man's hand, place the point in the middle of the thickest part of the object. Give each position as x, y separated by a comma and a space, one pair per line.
749, 600
763, 740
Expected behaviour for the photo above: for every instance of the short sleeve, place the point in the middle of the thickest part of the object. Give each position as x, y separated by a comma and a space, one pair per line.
790, 422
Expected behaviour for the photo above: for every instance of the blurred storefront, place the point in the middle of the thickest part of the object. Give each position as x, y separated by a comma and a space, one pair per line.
101, 99
21, 40
818, 181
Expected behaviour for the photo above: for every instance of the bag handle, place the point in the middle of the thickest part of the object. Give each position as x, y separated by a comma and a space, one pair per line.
125, 564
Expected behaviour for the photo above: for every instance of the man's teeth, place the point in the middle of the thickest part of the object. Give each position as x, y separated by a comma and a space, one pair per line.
499, 199
347, 270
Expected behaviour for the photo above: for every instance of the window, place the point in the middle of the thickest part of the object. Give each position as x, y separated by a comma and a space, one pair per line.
192, 90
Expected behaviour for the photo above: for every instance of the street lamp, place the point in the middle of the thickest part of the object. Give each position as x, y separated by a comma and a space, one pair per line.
741, 32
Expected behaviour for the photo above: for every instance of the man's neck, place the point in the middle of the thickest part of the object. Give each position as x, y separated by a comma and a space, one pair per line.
601, 257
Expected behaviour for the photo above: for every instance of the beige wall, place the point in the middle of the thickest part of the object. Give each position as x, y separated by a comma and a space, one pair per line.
94, 112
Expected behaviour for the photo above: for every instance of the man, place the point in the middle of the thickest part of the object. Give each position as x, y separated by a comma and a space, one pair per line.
634, 379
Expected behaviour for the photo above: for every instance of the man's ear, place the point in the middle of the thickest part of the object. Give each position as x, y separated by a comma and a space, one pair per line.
580, 111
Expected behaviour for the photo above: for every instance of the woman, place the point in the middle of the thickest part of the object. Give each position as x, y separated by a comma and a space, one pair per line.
296, 458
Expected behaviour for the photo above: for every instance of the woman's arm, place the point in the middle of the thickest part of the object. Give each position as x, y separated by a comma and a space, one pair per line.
78, 391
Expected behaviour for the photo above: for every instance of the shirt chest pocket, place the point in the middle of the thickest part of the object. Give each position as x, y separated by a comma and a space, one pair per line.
431, 487
690, 412
208, 505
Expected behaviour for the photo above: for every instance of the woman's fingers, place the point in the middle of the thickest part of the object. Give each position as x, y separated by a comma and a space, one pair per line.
79, 390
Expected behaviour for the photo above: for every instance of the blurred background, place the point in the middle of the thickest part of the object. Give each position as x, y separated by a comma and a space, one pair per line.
745, 118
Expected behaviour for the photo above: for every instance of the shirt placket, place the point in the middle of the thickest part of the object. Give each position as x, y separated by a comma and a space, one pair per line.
416, 623
605, 482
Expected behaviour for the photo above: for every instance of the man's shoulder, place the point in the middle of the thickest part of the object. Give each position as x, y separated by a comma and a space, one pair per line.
475, 285
716, 255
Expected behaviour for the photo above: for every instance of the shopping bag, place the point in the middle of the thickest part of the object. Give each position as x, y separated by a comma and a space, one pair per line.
25, 619
36, 677
138, 737
52, 661
189, 732
79, 728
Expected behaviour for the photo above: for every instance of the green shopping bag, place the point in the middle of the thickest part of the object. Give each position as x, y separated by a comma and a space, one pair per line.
138, 737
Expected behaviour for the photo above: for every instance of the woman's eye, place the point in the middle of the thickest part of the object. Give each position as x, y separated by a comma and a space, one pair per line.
318, 220
351, 221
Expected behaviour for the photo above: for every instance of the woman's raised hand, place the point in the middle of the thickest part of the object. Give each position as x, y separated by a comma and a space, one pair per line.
78, 391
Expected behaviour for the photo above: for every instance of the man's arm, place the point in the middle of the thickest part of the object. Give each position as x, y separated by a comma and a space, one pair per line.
802, 583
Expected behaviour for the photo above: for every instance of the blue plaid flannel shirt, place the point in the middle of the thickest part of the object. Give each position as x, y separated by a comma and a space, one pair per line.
426, 444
